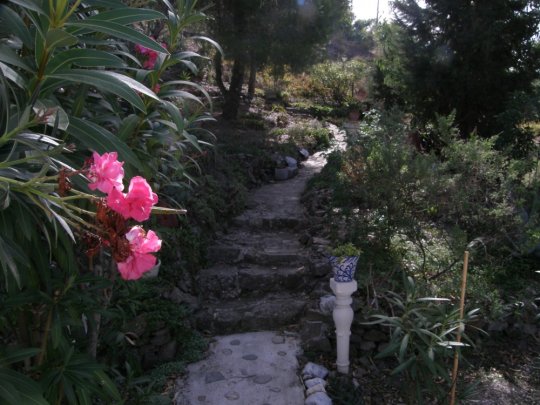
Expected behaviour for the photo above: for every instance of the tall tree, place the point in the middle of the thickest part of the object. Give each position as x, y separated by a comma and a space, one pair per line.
471, 56
255, 33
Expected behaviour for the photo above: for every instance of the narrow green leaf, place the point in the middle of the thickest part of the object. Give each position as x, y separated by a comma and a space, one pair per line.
212, 42
114, 83
83, 58
128, 16
11, 23
128, 126
30, 5
58, 37
8, 393
108, 385
403, 347
101, 140
403, 366
119, 31
7, 261
12, 75
16, 355
9, 56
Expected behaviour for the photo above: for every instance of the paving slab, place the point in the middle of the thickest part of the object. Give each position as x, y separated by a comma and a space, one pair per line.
258, 368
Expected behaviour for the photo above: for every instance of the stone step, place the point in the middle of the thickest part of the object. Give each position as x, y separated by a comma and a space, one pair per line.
265, 248
247, 220
271, 311
232, 281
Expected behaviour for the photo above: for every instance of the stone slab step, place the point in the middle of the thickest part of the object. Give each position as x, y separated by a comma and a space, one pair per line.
232, 281
248, 220
264, 248
271, 311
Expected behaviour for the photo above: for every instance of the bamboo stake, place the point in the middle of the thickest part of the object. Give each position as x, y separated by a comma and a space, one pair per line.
458, 337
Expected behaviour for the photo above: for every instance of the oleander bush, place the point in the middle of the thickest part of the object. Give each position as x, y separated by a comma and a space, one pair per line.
77, 77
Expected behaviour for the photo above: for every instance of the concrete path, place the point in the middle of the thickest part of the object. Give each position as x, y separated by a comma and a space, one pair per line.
257, 368
257, 281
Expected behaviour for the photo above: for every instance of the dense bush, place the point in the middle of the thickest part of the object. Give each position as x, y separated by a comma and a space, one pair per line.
335, 82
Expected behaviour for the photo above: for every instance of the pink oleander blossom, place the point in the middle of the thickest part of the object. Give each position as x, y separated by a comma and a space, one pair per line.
150, 54
142, 244
106, 173
138, 201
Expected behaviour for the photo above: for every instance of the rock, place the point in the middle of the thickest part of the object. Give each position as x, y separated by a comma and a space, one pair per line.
327, 304
149, 355
213, 376
168, 352
250, 357
179, 297
314, 381
262, 379
319, 398
314, 370
232, 395
375, 335
314, 336
137, 325
321, 241
497, 326
293, 171
304, 154
321, 268
161, 337
366, 346
314, 389
235, 342
291, 162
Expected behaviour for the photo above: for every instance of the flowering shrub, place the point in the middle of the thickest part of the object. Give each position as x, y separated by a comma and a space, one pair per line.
132, 251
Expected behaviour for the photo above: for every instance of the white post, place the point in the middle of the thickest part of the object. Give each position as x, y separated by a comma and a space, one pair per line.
343, 317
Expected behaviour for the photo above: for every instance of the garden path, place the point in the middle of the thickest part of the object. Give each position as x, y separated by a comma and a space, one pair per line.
257, 285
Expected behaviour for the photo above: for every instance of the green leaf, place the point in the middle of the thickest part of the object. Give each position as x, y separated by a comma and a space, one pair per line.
118, 84
128, 126
30, 5
212, 42
101, 140
119, 31
108, 385
128, 16
83, 58
16, 355
7, 253
8, 393
403, 347
26, 389
12, 75
9, 56
58, 37
11, 23
403, 366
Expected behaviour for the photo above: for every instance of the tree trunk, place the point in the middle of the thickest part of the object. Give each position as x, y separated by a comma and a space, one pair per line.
218, 66
252, 81
232, 99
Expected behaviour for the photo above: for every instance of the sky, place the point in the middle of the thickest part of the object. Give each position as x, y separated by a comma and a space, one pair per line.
366, 9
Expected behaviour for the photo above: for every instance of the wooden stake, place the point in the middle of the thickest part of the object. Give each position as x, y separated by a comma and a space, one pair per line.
458, 337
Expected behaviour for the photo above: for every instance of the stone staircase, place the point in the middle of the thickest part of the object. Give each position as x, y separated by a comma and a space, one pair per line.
261, 274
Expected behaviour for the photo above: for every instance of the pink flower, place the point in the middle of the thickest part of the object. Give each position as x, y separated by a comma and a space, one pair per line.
140, 260
151, 55
138, 201
106, 172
